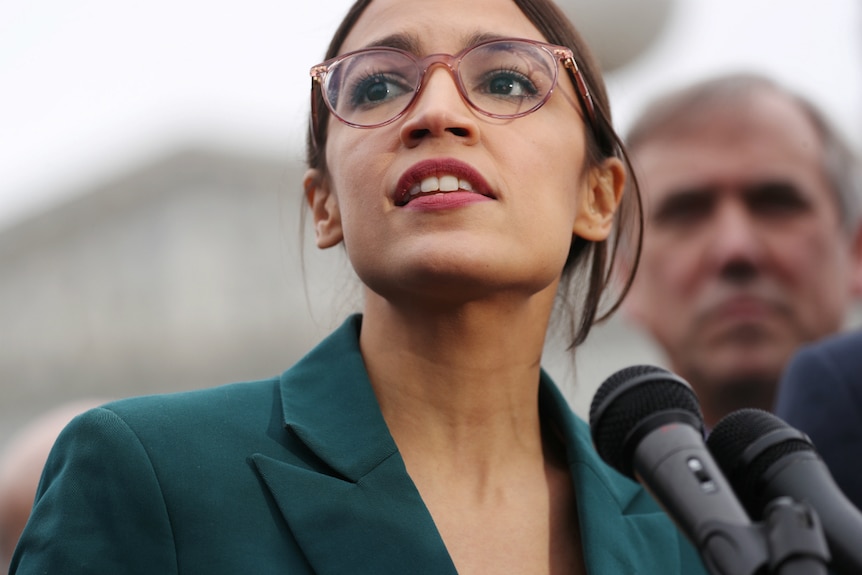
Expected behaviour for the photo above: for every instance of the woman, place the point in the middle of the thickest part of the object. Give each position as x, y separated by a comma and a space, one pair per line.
422, 436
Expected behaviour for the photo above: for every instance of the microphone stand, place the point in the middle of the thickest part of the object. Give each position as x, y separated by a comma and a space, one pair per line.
795, 539
789, 541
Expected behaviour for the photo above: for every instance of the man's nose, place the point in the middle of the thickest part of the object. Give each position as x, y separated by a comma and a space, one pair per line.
736, 248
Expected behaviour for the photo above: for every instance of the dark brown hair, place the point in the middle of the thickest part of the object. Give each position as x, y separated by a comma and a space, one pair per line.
602, 142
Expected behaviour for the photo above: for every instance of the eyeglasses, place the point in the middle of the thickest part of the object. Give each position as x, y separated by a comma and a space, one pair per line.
506, 78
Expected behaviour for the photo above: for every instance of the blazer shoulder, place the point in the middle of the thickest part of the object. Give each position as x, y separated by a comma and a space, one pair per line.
209, 412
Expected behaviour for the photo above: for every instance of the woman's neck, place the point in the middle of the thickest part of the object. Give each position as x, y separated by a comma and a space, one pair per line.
460, 394
458, 387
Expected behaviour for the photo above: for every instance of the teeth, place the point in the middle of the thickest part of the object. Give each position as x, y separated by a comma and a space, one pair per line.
431, 184
447, 183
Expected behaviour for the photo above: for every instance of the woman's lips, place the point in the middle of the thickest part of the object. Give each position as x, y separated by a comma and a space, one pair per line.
435, 178
444, 200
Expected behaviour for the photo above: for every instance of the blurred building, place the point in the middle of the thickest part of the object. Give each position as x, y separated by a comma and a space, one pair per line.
182, 274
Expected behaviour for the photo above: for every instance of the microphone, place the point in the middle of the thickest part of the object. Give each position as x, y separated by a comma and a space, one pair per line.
646, 423
765, 458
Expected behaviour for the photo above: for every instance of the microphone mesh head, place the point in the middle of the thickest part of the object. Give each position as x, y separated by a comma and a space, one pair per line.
628, 397
730, 439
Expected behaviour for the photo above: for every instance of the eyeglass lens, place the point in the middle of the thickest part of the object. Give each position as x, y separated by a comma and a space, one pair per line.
501, 79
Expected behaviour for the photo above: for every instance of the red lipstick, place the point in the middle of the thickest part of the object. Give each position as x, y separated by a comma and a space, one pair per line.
441, 183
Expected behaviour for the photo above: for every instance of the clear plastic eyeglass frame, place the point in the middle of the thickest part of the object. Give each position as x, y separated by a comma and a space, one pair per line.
558, 53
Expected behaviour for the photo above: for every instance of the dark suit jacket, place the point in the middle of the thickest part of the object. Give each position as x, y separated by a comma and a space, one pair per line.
293, 475
821, 395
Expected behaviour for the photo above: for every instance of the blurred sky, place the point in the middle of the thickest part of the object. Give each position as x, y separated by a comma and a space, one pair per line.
89, 88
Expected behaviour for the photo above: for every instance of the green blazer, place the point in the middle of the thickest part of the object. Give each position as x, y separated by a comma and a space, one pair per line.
292, 475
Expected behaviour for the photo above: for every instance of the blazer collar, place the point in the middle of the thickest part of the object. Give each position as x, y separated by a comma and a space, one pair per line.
352, 502
328, 403
611, 507
348, 500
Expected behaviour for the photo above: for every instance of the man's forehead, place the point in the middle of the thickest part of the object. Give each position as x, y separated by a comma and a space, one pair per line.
701, 161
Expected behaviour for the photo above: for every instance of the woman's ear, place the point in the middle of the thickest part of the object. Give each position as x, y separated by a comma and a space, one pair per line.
324, 209
600, 199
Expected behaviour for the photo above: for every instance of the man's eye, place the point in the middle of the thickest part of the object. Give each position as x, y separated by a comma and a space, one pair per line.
777, 198
683, 210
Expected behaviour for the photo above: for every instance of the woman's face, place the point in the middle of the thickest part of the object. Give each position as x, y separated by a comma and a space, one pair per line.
512, 232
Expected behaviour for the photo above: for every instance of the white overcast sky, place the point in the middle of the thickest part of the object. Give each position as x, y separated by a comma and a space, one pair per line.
91, 87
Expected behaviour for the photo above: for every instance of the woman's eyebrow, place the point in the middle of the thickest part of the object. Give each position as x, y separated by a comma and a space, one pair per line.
479, 37
411, 43
407, 42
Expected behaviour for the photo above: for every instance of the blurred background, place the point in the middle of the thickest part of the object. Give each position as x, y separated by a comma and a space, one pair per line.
150, 168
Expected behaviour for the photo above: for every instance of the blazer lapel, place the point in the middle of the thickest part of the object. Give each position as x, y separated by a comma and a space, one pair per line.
619, 532
611, 508
343, 488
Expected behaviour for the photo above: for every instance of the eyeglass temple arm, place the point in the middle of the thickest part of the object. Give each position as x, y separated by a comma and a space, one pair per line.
569, 62
316, 75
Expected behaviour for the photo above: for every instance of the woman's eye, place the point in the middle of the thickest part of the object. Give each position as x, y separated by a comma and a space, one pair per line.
376, 89
510, 84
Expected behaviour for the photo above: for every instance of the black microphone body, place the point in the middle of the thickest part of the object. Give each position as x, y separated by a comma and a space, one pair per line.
672, 463
765, 458
646, 423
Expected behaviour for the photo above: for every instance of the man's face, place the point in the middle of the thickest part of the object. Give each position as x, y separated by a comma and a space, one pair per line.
744, 257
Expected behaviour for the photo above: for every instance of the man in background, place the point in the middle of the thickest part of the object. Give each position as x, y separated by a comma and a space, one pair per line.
821, 395
752, 241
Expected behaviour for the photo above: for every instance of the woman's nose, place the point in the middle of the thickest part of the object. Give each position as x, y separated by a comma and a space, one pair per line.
439, 109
